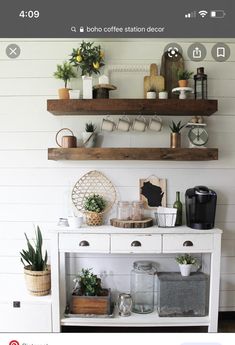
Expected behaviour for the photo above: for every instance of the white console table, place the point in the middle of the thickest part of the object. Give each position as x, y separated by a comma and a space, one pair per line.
110, 240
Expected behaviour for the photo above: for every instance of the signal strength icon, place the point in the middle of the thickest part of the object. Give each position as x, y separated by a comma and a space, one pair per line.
191, 15
203, 13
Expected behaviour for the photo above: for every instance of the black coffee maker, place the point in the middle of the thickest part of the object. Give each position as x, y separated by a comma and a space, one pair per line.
200, 203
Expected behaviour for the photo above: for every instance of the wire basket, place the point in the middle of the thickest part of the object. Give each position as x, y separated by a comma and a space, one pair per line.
165, 220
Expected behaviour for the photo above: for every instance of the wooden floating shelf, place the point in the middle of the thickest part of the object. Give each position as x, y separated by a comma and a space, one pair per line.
132, 153
187, 107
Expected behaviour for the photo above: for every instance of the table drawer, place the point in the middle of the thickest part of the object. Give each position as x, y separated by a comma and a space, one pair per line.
84, 243
187, 243
135, 243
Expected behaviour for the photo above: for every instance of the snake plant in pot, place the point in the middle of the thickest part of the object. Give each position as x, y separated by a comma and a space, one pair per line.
36, 270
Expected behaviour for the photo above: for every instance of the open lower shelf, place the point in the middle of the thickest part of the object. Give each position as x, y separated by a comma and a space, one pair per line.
133, 153
136, 320
179, 107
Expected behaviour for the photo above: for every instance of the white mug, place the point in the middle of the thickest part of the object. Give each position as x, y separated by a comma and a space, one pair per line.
75, 222
151, 95
163, 95
74, 94
139, 124
123, 124
108, 125
155, 123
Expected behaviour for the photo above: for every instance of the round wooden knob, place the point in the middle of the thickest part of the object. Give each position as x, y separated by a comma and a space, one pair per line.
84, 244
136, 244
188, 244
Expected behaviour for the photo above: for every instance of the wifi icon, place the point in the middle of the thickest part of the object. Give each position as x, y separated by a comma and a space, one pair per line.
203, 13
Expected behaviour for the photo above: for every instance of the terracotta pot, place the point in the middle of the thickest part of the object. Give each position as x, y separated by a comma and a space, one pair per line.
38, 282
63, 93
183, 83
175, 140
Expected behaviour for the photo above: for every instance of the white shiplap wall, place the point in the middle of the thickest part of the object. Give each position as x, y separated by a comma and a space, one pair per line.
35, 190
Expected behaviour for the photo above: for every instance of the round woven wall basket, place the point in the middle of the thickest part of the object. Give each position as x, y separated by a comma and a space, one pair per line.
38, 282
94, 182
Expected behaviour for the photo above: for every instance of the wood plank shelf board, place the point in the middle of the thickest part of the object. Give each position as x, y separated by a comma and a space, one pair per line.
132, 153
187, 107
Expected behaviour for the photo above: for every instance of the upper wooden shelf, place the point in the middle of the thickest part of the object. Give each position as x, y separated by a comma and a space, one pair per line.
187, 107
133, 153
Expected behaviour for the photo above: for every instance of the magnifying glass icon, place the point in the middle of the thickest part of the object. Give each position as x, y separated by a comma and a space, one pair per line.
73, 29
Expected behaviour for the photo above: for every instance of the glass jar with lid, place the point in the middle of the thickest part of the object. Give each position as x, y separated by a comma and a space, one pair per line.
123, 210
142, 287
137, 210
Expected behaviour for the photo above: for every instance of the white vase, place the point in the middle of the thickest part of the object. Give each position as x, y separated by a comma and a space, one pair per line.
87, 87
88, 139
185, 270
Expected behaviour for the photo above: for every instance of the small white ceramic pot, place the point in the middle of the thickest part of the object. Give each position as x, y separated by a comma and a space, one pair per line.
108, 124
75, 222
88, 139
151, 95
185, 270
163, 95
74, 94
155, 124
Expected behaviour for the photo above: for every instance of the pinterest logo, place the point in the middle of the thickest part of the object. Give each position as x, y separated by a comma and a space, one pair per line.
14, 342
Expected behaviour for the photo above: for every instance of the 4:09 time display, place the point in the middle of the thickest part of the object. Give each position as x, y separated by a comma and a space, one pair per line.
31, 14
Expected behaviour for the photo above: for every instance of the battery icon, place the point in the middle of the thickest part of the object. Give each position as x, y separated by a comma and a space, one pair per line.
218, 14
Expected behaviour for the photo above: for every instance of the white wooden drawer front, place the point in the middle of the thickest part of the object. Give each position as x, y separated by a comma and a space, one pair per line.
187, 243
136, 243
28, 317
84, 243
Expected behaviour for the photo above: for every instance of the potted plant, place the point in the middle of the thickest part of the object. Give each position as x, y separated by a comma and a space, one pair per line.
183, 77
88, 136
36, 270
89, 59
151, 94
186, 261
88, 296
94, 206
64, 72
175, 134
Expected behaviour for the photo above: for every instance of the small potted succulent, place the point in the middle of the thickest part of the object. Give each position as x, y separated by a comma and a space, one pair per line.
89, 135
64, 72
36, 270
186, 261
88, 296
151, 93
183, 77
175, 134
89, 59
94, 206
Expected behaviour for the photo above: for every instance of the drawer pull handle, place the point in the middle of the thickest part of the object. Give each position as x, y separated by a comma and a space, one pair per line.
188, 244
136, 244
84, 244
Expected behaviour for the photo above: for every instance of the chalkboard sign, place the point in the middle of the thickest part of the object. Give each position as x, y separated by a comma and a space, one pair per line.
153, 192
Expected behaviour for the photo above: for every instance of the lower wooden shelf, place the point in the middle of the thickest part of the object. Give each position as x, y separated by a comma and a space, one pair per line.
133, 153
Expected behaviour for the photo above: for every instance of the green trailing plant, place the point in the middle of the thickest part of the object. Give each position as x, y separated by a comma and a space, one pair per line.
95, 203
90, 127
32, 256
88, 58
87, 284
184, 74
65, 72
176, 127
186, 259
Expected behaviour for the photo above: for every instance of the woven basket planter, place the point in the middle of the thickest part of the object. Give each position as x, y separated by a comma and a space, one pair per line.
94, 218
38, 282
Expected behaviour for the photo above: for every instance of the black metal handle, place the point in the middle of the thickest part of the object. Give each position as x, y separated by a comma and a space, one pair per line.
188, 244
136, 244
84, 244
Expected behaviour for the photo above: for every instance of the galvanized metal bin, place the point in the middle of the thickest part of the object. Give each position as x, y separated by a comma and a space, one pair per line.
182, 296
